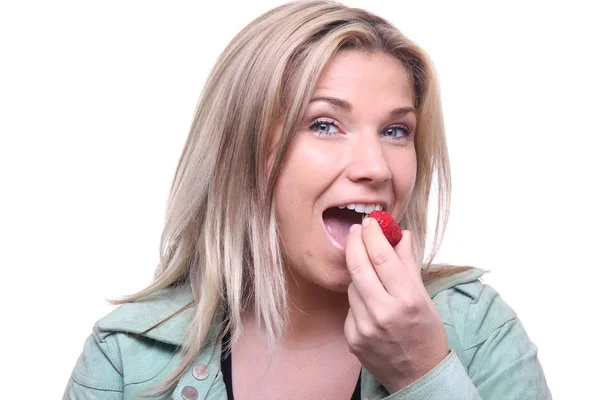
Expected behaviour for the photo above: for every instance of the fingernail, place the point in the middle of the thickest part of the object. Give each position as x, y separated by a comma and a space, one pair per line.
354, 227
366, 221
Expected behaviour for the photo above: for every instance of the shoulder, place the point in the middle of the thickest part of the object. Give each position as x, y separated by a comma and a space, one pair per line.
169, 312
147, 328
121, 351
473, 313
473, 307
491, 342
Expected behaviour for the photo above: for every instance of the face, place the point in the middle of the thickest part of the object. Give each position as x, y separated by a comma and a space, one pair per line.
354, 149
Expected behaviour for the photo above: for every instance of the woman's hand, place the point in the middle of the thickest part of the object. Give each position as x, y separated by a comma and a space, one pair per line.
392, 325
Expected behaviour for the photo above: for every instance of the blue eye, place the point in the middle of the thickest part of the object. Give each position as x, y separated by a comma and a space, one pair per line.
396, 132
323, 127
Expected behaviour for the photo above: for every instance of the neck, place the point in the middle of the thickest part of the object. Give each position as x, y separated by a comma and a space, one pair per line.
316, 315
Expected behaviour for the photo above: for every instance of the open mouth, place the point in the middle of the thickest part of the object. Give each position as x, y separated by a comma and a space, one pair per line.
339, 220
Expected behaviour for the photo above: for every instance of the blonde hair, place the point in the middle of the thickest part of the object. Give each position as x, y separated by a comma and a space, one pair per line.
220, 233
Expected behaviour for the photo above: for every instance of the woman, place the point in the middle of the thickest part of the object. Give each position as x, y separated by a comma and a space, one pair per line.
271, 284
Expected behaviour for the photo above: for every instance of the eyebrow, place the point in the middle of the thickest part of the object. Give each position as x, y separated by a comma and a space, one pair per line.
346, 106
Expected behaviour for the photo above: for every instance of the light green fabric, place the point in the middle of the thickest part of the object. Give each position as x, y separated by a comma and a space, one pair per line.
492, 358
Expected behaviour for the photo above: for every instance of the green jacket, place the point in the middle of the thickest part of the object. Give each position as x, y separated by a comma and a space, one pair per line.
491, 358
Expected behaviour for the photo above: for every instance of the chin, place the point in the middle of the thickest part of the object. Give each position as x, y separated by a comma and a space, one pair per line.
321, 276
340, 287
336, 281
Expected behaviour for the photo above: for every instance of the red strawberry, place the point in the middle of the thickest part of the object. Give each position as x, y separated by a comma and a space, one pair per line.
388, 225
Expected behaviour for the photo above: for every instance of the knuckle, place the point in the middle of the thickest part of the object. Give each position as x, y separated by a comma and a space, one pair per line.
383, 321
355, 268
352, 291
366, 332
353, 343
381, 259
412, 306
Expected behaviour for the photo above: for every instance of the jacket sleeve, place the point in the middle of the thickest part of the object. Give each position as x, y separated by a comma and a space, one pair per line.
500, 361
98, 373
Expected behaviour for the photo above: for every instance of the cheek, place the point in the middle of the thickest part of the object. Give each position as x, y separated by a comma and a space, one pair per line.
307, 169
404, 171
290, 197
303, 177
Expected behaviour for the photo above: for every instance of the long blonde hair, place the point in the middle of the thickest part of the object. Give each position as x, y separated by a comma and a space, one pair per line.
220, 233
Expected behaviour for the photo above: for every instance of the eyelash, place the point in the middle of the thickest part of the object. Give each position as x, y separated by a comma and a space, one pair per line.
312, 126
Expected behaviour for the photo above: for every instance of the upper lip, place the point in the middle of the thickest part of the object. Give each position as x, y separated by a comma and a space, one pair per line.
384, 203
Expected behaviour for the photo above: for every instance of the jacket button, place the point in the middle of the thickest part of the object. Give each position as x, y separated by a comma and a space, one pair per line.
189, 393
200, 372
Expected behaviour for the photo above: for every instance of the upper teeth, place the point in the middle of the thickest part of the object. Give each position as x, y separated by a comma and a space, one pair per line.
363, 208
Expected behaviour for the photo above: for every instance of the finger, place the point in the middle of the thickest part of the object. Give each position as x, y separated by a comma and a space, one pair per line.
350, 330
357, 304
384, 259
404, 251
361, 271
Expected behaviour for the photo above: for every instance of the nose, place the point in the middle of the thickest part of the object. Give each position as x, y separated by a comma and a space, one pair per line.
368, 163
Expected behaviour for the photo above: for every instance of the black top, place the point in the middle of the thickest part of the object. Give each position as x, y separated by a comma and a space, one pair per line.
226, 371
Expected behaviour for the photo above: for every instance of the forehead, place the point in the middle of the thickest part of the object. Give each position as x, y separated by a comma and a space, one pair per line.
363, 77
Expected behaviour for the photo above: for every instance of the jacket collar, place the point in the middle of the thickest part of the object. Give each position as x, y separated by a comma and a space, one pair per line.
436, 286
138, 317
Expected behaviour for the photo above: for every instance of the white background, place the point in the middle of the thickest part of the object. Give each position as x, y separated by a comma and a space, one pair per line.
96, 99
